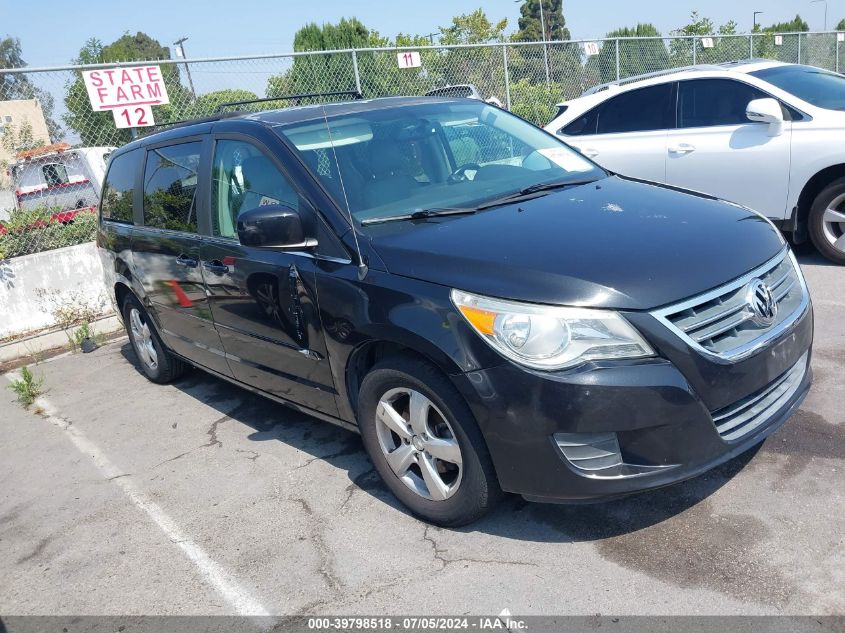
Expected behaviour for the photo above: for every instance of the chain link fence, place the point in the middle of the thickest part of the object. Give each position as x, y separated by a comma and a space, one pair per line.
49, 181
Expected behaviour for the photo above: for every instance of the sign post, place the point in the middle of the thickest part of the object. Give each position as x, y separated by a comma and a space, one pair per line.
129, 93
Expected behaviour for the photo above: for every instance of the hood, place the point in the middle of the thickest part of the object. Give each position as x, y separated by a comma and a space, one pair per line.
615, 243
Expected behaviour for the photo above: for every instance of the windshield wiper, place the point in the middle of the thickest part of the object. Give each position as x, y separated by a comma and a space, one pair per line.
434, 212
422, 214
532, 189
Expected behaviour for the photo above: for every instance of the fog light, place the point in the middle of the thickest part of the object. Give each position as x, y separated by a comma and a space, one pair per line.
590, 451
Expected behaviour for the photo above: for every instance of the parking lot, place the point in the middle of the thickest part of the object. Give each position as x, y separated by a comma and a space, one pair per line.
118, 496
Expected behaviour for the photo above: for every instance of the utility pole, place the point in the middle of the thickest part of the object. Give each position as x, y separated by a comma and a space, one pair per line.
430, 37
545, 46
756, 13
180, 52
825, 11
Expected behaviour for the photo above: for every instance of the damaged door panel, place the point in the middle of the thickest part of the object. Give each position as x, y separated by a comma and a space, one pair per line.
263, 305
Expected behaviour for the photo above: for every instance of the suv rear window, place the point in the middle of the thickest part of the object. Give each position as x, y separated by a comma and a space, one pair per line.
170, 187
119, 187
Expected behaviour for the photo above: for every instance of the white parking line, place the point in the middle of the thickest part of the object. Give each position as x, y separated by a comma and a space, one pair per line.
222, 581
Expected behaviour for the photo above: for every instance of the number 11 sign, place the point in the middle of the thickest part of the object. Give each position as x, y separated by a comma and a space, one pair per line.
133, 116
410, 59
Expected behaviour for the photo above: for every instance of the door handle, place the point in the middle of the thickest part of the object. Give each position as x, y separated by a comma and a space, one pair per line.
216, 266
589, 152
682, 148
190, 262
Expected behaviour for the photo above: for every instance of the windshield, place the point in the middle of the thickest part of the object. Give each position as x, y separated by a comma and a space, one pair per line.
407, 159
819, 87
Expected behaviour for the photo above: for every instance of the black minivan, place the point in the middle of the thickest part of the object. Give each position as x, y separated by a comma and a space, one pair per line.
489, 309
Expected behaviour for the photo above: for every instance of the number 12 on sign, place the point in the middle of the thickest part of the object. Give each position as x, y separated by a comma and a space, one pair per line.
133, 116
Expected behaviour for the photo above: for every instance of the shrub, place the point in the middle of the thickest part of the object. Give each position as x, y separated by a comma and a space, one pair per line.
33, 231
27, 388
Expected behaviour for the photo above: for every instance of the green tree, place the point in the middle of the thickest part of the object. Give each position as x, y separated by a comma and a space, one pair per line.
796, 25
635, 56
530, 29
565, 59
20, 86
764, 43
682, 52
97, 128
482, 66
841, 25
329, 72
210, 102
536, 102
473, 28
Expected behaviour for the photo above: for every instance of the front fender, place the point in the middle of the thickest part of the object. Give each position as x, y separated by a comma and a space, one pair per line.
401, 313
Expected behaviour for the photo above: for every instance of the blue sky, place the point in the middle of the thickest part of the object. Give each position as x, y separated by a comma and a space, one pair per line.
52, 32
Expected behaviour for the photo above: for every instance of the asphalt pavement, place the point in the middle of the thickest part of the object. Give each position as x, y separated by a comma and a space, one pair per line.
118, 496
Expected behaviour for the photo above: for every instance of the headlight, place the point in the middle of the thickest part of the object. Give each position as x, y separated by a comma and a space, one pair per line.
550, 337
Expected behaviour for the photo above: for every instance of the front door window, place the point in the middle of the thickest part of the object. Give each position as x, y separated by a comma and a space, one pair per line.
244, 179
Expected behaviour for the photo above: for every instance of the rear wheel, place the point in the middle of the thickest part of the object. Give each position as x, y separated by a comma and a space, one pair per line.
425, 444
157, 362
827, 221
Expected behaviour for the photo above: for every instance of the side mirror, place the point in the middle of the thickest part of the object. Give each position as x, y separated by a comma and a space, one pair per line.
273, 226
768, 111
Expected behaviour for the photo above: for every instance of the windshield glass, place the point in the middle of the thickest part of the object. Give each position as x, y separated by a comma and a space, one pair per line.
405, 159
819, 87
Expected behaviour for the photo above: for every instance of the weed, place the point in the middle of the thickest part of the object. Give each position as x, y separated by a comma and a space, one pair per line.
70, 309
85, 331
27, 388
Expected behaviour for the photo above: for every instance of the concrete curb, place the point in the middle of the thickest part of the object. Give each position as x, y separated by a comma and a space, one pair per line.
52, 340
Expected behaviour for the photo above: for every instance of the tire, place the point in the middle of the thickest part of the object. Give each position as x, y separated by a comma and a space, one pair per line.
157, 363
828, 234
463, 492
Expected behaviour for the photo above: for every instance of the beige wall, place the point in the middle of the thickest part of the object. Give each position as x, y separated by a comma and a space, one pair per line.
20, 111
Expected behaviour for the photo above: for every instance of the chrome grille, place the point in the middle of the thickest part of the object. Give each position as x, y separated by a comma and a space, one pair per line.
723, 323
741, 418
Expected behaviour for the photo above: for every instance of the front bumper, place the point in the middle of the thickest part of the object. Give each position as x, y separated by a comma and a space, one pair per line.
661, 415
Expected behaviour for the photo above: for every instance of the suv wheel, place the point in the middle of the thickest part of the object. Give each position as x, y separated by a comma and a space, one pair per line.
425, 444
827, 221
157, 363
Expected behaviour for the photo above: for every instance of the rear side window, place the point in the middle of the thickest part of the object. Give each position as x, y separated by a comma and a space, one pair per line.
170, 187
640, 110
711, 102
55, 174
584, 124
119, 187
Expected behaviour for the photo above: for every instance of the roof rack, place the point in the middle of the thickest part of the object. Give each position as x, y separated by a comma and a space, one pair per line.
221, 114
658, 73
295, 97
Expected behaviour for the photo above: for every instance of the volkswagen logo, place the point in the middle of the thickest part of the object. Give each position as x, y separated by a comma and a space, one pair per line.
760, 299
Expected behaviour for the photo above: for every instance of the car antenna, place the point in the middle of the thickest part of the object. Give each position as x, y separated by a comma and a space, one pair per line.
362, 265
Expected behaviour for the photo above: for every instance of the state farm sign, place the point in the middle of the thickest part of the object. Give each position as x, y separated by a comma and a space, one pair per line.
124, 87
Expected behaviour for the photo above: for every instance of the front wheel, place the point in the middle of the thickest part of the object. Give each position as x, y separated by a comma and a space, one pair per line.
425, 444
827, 221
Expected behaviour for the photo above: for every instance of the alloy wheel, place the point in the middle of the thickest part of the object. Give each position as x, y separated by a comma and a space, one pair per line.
419, 444
142, 338
833, 223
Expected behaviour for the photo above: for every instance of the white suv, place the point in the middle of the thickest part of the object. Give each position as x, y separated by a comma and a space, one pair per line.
763, 134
